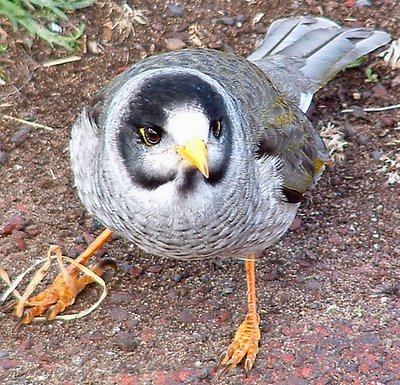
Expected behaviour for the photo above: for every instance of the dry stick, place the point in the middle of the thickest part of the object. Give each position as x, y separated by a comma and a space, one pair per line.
27, 122
375, 109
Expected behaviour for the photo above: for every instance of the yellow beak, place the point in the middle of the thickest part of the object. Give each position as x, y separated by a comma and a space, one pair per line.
195, 152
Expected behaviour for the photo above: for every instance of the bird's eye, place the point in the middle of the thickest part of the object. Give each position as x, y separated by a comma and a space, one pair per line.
215, 127
150, 135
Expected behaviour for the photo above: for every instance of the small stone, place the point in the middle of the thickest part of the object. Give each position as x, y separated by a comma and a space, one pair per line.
380, 91
121, 298
8, 364
376, 155
20, 136
173, 44
3, 157
227, 20
387, 121
119, 314
223, 315
54, 27
155, 269
305, 372
107, 32
19, 237
335, 239
136, 271
32, 231
204, 374
15, 222
178, 277
369, 339
227, 290
174, 10
314, 284
363, 3
187, 316
93, 47
363, 139
358, 112
296, 224
125, 341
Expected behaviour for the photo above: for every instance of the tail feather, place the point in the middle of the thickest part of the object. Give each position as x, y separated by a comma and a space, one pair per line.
284, 32
308, 52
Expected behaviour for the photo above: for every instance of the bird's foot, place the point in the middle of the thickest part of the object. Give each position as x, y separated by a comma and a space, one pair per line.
60, 294
245, 344
65, 288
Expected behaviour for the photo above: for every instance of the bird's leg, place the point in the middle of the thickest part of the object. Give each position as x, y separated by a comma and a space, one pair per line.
245, 343
63, 292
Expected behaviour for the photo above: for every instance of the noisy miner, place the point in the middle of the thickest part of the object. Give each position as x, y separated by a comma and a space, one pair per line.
199, 153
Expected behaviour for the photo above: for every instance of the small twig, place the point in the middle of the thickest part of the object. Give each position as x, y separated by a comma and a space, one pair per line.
28, 123
375, 109
64, 60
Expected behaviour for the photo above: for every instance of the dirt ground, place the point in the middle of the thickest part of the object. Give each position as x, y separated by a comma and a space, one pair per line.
328, 291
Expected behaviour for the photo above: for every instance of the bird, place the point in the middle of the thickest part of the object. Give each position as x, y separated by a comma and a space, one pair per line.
198, 153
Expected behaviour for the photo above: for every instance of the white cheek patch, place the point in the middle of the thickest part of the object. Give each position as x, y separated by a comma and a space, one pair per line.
187, 123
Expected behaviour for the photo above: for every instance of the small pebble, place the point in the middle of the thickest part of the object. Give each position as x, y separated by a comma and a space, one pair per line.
227, 20
20, 136
8, 364
136, 271
54, 27
107, 32
187, 316
32, 231
363, 139
3, 157
15, 222
363, 3
125, 341
380, 91
173, 44
174, 10
178, 277
19, 237
93, 47
296, 224
155, 269
358, 112
119, 314
376, 154
227, 290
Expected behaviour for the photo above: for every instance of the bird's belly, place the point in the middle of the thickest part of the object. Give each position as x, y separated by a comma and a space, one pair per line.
202, 238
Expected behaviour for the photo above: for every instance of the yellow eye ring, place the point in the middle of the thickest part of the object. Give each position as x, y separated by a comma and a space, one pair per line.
150, 135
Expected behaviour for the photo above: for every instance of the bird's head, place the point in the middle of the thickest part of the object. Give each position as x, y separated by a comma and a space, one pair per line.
173, 126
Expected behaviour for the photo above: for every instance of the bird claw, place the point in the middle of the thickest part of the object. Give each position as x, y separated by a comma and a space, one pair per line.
245, 344
59, 295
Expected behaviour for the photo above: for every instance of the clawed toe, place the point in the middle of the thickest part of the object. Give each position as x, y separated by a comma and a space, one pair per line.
245, 345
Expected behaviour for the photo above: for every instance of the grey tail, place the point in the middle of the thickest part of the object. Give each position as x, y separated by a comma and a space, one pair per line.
313, 50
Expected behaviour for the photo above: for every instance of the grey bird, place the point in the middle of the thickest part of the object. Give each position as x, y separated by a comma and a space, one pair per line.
199, 153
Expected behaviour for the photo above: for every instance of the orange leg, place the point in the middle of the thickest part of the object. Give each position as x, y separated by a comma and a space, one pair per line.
245, 343
61, 294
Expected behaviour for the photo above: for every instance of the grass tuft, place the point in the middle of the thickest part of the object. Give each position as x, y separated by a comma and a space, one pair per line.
32, 15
